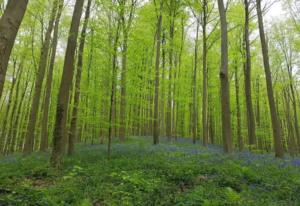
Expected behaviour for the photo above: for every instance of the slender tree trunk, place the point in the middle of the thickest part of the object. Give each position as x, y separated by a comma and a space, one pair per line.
16, 122
73, 127
169, 123
211, 126
30, 134
162, 94
122, 130
195, 102
247, 72
278, 144
24, 119
257, 103
125, 28
13, 111
157, 76
9, 104
45, 118
238, 110
60, 129
204, 86
9, 25
294, 103
225, 95
178, 105
112, 109
290, 130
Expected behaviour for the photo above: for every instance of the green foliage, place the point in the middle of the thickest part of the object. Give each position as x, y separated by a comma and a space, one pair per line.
141, 174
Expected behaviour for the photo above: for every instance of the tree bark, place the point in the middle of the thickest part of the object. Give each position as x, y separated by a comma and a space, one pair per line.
247, 73
45, 119
125, 29
195, 101
9, 25
238, 110
9, 139
169, 123
278, 144
157, 74
204, 61
114, 41
60, 129
225, 95
73, 127
290, 130
16, 121
9, 104
30, 133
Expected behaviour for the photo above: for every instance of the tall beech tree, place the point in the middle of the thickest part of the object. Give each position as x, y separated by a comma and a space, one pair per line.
9, 26
45, 119
205, 15
73, 127
157, 72
126, 26
30, 134
60, 130
225, 95
278, 144
247, 71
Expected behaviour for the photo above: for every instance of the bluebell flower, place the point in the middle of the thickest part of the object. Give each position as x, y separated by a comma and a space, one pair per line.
296, 162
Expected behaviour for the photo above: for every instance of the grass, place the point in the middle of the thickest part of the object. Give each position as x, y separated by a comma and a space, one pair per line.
142, 174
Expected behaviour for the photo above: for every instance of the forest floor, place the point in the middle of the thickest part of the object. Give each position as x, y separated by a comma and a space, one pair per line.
142, 174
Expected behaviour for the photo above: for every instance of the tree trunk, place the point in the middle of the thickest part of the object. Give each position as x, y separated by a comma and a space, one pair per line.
60, 129
225, 95
195, 102
45, 119
30, 134
247, 72
204, 61
125, 27
112, 109
162, 94
9, 141
169, 123
238, 110
157, 75
73, 127
16, 122
278, 144
294, 103
257, 102
9, 25
9, 104
290, 130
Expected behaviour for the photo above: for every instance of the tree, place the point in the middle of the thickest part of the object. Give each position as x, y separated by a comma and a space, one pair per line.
195, 101
113, 37
157, 74
205, 16
278, 144
225, 95
126, 25
60, 129
9, 25
247, 73
45, 118
30, 134
73, 127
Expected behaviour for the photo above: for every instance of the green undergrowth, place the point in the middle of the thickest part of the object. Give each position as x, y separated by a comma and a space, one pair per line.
142, 174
